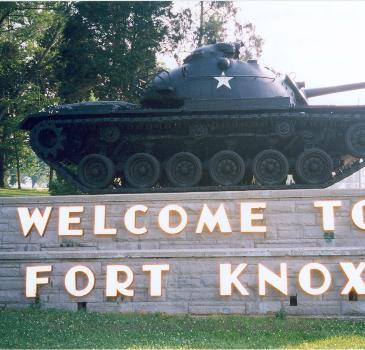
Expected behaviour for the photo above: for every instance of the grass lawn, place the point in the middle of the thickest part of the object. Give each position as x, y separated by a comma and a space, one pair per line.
33, 328
12, 192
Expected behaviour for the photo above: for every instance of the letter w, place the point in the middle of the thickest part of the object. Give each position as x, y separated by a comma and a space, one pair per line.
27, 220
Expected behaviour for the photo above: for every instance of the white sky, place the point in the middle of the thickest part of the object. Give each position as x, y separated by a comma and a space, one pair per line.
322, 42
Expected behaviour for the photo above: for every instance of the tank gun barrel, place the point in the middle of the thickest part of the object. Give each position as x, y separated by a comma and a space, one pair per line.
332, 89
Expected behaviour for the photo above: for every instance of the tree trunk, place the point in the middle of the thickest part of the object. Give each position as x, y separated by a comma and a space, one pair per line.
18, 174
17, 164
200, 38
2, 169
51, 173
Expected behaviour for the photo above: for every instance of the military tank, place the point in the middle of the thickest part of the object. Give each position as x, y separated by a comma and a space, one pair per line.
215, 123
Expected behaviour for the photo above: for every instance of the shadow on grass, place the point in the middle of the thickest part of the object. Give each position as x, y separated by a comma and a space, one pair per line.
31, 328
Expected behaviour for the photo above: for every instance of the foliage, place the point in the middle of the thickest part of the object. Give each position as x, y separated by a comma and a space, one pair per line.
115, 44
60, 52
215, 21
281, 314
30, 33
59, 186
36, 303
62, 329
32, 169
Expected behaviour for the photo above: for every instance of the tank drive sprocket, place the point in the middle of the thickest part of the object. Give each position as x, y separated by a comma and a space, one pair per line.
47, 140
355, 140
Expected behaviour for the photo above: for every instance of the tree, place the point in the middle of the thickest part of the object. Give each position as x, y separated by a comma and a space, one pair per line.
108, 46
57, 52
214, 21
29, 35
114, 43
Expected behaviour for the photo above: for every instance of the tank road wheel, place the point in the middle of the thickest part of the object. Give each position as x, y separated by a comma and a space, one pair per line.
96, 171
142, 170
355, 140
313, 167
184, 169
227, 168
270, 167
47, 139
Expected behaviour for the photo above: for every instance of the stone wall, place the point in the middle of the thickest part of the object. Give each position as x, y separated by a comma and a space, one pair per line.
294, 236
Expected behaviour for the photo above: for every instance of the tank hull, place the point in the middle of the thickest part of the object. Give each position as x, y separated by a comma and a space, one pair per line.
149, 150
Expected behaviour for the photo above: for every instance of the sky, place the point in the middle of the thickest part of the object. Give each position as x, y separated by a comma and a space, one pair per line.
319, 42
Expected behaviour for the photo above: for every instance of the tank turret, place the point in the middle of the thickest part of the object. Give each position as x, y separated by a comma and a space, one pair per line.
214, 76
215, 123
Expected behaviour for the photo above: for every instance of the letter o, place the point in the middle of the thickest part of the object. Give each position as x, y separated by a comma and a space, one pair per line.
70, 281
305, 278
164, 219
357, 214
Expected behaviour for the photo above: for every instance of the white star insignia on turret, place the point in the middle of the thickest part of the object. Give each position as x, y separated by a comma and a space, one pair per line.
223, 81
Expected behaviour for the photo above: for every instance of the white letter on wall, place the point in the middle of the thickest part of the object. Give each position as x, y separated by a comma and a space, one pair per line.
113, 286
32, 280
305, 278
354, 277
65, 220
357, 214
70, 281
278, 282
211, 221
247, 217
156, 278
130, 219
99, 224
164, 219
229, 278
37, 219
328, 213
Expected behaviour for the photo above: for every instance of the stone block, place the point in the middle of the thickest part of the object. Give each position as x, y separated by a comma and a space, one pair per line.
314, 308
11, 283
9, 272
353, 307
166, 307
266, 307
11, 296
214, 308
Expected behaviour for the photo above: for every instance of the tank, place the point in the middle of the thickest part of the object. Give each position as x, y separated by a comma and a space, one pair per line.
214, 123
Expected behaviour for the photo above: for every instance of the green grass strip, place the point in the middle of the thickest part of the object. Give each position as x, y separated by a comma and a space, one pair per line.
33, 328
12, 192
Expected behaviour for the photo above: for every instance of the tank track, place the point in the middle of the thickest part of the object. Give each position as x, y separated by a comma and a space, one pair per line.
119, 136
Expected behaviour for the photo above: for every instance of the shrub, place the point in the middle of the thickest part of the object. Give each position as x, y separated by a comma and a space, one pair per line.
281, 314
59, 186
